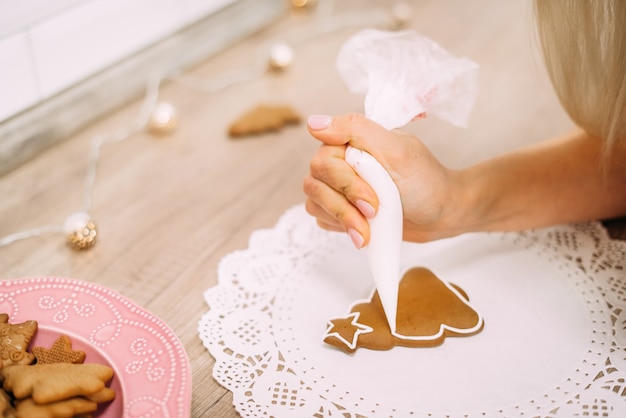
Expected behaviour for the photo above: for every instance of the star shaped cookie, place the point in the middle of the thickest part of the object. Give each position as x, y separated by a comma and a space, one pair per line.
60, 352
346, 330
14, 340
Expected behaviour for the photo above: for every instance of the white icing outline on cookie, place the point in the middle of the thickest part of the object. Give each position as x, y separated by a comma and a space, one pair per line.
361, 329
442, 327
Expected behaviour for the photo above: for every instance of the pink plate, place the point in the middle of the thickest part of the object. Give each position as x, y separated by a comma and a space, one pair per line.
152, 372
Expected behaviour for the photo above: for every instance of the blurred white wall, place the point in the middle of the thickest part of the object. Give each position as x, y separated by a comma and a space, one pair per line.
47, 46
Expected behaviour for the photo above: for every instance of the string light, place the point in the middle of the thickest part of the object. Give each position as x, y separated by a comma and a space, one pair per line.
161, 118
280, 57
80, 230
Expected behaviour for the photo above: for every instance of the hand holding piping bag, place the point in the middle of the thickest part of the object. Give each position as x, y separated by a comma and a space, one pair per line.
403, 76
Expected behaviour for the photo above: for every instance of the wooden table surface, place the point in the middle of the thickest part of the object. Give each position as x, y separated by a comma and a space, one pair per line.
169, 208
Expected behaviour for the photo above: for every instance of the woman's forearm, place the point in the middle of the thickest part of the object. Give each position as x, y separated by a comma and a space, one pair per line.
567, 179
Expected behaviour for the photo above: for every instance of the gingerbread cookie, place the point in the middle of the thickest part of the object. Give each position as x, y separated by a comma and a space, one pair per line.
58, 385
6, 409
14, 340
60, 352
262, 119
429, 310
73, 407
47, 383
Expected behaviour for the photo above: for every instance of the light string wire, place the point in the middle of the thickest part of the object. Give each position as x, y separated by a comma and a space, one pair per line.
97, 142
325, 25
149, 103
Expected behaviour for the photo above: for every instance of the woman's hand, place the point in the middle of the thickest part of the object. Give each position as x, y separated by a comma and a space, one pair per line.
342, 201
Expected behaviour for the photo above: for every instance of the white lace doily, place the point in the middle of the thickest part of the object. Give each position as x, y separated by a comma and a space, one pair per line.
554, 342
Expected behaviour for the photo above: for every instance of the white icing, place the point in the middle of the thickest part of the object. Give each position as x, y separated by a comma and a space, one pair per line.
359, 329
383, 249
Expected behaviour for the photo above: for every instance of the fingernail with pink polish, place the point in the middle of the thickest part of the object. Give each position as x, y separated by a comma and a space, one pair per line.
356, 238
319, 122
365, 208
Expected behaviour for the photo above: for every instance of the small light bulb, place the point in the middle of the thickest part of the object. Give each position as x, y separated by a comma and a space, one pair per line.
280, 56
163, 119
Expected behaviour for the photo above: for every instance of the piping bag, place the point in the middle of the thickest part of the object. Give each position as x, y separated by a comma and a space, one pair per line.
402, 75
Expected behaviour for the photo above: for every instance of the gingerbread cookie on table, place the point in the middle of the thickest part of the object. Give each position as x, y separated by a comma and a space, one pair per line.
429, 310
263, 118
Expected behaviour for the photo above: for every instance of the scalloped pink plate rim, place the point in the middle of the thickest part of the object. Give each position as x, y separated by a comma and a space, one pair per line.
147, 357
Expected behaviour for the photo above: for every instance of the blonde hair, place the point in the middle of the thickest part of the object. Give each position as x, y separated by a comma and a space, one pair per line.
584, 49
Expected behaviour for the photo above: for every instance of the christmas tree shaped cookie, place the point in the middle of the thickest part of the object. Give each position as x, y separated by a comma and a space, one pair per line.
429, 310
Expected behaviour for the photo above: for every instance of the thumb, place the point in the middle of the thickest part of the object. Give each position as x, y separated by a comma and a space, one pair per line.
351, 129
